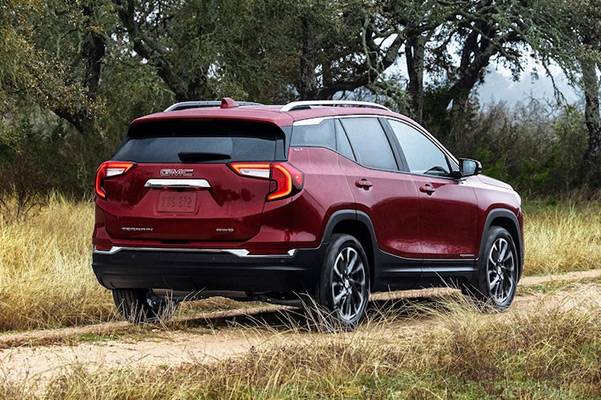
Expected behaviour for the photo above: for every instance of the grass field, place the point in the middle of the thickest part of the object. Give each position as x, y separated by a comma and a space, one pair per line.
45, 269
46, 279
562, 237
543, 352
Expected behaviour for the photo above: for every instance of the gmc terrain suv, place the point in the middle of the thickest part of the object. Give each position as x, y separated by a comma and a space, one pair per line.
332, 199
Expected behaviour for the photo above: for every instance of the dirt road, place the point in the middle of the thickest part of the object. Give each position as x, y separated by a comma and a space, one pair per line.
38, 356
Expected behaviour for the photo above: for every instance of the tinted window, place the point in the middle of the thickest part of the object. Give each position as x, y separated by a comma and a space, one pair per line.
422, 155
344, 147
369, 142
197, 141
321, 135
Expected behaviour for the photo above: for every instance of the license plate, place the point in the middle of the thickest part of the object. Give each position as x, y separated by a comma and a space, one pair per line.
184, 202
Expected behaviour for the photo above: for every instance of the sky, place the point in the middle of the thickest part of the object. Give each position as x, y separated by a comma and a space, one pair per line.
499, 86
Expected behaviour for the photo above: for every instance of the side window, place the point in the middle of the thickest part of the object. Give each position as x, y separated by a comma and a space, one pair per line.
369, 142
320, 135
423, 156
344, 147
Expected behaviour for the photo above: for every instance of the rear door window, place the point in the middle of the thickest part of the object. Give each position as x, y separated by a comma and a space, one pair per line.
344, 146
369, 142
200, 141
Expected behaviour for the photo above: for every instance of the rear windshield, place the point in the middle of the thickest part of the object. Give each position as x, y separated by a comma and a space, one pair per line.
200, 141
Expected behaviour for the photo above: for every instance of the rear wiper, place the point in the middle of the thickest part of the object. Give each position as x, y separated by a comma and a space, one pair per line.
198, 157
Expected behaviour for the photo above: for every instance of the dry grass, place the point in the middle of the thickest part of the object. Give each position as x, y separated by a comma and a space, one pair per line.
46, 278
562, 237
548, 352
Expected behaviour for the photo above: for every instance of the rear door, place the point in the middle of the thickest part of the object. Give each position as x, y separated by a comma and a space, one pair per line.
380, 190
182, 187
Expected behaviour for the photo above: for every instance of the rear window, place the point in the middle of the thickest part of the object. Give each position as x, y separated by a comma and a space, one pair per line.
201, 141
320, 135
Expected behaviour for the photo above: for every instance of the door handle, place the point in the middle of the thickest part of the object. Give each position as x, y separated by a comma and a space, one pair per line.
427, 188
364, 183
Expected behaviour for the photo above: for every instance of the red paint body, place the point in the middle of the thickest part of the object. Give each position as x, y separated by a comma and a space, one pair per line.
414, 217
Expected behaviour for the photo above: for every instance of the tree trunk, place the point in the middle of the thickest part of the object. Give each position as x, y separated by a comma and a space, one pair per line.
93, 50
149, 48
590, 83
414, 54
307, 85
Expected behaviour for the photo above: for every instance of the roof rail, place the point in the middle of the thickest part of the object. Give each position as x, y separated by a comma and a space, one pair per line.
185, 105
299, 105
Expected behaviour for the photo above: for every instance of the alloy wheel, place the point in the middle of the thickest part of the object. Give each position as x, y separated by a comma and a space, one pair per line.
501, 271
349, 290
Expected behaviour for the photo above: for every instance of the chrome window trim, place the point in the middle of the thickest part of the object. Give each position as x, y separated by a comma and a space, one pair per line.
319, 120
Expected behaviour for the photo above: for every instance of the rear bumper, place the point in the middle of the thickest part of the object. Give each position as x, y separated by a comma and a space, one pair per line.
210, 269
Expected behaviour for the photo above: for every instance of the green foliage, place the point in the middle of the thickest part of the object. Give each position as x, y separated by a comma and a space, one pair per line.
74, 74
536, 148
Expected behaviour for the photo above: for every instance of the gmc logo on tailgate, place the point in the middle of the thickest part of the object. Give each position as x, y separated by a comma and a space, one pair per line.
177, 172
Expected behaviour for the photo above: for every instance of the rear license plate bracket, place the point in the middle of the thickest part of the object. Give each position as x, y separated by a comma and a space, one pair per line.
177, 202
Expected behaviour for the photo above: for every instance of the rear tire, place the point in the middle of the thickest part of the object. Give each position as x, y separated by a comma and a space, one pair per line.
343, 290
141, 306
497, 272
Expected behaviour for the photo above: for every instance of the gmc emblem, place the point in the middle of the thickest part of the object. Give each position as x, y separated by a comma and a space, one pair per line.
177, 172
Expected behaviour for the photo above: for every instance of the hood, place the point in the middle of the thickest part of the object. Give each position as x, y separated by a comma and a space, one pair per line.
494, 182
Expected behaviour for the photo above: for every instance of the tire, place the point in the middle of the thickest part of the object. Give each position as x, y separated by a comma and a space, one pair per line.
497, 272
141, 306
343, 289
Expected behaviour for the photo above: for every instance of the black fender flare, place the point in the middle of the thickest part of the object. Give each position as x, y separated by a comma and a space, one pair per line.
349, 215
506, 214
355, 216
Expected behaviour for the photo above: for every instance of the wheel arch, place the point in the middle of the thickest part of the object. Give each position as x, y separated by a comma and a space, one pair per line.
508, 220
359, 225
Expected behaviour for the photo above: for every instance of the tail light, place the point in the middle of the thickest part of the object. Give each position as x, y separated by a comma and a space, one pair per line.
287, 179
109, 169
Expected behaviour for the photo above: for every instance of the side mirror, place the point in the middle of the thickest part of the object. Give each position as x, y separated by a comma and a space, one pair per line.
469, 167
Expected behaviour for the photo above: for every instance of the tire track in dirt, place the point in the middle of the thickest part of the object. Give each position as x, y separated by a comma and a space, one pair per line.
39, 356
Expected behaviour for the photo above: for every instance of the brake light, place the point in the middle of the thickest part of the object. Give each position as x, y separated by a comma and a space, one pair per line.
256, 170
109, 169
288, 180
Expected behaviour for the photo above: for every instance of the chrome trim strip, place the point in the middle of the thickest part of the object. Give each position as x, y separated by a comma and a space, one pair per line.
319, 120
185, 105
442, 270
178, 183
311, 121
298, 104
242, 253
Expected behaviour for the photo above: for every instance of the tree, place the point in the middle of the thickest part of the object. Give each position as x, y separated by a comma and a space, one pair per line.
584, 18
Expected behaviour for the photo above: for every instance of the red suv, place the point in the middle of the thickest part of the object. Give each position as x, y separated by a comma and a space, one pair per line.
335, 199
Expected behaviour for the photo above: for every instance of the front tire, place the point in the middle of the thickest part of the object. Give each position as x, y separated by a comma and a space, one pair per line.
343, 290
140, 306
497, 274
